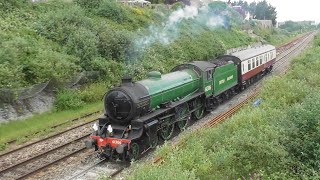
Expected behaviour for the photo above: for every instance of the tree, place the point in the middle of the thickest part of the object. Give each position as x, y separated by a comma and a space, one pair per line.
261, 10
252, 7
265, 11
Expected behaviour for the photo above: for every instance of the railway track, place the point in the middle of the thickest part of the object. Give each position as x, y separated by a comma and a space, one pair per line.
45, 159
287, 54
32, 165
91, 172
35, 162
53, 127
289, 45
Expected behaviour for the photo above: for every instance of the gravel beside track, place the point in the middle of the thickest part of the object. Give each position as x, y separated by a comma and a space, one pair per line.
23, 156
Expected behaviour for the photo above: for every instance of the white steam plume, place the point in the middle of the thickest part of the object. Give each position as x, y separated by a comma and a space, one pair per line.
170, 30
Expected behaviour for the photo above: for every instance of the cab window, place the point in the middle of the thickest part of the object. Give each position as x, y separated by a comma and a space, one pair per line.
209, 75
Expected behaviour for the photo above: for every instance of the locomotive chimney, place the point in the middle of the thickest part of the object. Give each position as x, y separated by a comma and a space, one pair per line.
127, 80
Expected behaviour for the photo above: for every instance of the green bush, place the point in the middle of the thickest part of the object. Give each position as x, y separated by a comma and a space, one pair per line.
11, 76
68, 99
58, 25
177, 5
304, 140
317, 41
112, 10
89, 4
110, 70
83, 44
94, 92
50, 64
113, 43
8, 5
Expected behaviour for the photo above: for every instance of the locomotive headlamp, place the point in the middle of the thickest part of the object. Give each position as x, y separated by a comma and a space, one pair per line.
95, 126
110, 130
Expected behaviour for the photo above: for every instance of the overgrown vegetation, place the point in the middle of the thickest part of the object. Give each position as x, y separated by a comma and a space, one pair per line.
277, 140
58, 39
276, 37
292, 26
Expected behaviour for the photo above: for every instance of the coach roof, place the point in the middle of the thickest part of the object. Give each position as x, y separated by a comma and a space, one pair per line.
251, 52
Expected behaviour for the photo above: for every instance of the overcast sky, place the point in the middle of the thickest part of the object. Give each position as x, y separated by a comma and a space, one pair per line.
296, 10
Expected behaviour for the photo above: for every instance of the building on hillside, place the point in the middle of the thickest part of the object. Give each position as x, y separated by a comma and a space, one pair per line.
310, 23
267, 24
240, 10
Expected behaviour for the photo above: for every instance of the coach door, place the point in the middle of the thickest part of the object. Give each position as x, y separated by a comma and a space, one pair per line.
208, 82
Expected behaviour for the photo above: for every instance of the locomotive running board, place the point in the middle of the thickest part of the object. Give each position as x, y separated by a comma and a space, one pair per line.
160, 111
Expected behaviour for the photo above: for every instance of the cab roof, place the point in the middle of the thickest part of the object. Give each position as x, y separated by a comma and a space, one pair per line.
203, 65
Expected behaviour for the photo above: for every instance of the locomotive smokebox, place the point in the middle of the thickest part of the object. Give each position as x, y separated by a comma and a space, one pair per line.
127, 101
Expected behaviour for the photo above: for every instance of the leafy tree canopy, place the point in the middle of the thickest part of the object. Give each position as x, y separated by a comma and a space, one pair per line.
261, 10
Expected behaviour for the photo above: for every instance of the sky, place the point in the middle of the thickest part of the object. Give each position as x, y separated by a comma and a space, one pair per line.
296, 10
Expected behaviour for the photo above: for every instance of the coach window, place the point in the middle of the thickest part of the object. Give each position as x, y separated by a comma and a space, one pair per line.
262, 61
242, 67
249, 65
253, 63
257, 62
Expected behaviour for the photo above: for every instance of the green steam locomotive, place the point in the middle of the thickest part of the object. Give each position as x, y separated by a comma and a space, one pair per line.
137, 114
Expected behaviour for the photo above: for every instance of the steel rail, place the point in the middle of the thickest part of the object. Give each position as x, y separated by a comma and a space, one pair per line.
39, 156
26, 175
49, 137
87, 169
112, 175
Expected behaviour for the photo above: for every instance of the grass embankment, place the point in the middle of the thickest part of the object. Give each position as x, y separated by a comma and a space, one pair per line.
277, 140
276, 37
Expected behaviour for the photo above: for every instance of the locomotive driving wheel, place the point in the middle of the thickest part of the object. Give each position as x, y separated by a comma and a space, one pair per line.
134, 151
167, 129
197, 104
182, 114
154, 142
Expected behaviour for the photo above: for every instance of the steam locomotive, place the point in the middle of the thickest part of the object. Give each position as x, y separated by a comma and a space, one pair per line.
138, 113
